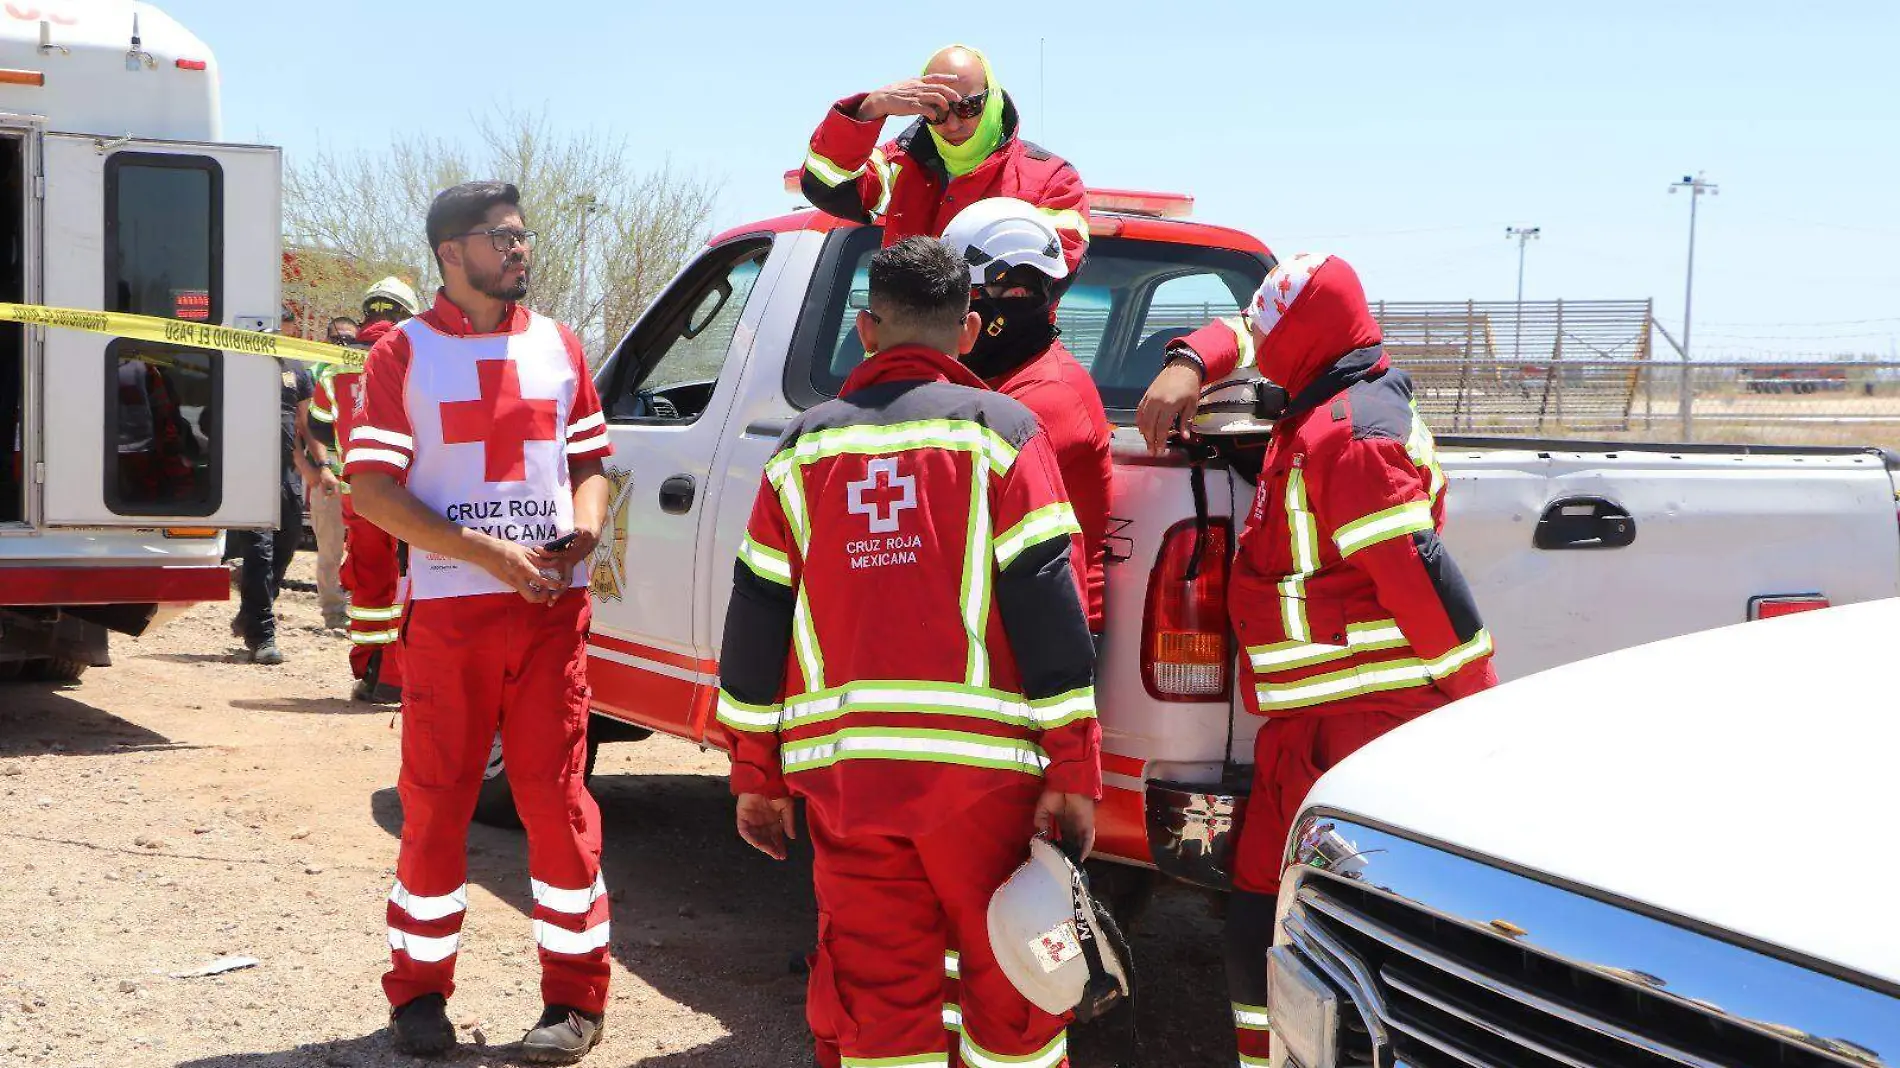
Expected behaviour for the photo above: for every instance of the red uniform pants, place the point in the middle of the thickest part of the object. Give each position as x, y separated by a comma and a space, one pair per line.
1289, 756
369, 572
888, 909
480, 663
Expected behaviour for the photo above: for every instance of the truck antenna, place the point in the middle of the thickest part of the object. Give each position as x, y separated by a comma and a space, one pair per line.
137, 57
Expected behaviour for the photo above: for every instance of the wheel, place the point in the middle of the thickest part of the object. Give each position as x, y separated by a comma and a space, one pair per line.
56, 669
495, 805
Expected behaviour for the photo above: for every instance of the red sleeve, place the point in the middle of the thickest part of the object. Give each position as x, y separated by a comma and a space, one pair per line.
1039, 595
1223, 346
845, 173
381, 438
1375, 501
757, 646
586, 424
1066, 203
323, 398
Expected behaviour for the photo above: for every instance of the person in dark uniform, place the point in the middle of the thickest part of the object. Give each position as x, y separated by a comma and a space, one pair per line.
267, 554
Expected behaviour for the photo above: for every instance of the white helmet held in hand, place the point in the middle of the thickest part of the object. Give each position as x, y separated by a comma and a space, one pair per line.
996, 234
391, 290
1060, 951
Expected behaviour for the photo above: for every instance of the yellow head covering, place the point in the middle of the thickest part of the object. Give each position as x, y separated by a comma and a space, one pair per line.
961, 159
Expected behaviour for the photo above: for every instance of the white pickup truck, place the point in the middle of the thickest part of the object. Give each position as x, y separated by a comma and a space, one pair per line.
1572, 549
1673, 855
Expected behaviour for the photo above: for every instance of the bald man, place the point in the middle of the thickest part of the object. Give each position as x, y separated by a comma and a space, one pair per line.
963, 148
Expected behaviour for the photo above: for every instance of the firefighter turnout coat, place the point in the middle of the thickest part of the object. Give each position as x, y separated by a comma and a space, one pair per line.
906, 631
905, 185
1343, 596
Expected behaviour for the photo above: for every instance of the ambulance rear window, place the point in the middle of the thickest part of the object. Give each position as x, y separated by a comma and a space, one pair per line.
164, 236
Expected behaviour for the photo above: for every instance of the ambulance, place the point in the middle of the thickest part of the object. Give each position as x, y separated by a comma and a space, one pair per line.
125, 460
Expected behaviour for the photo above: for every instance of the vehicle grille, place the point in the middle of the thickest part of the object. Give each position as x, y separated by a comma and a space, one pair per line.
1449, 994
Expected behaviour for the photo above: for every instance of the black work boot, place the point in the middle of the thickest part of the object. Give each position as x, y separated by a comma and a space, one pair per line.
563, 1036
421, 1028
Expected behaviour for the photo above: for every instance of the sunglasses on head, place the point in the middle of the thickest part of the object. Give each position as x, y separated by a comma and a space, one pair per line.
967, 108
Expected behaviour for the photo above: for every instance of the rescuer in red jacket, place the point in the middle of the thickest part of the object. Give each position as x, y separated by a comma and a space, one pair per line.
1351, 615
963, 148
370, 572
1016, 270
906, 650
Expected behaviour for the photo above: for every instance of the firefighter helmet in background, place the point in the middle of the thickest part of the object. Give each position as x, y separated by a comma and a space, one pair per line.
1060, 950
998, 233
390, 299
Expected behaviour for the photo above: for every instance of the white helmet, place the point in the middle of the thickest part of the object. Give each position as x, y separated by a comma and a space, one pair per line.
1060, 951
392, 289
1002, 232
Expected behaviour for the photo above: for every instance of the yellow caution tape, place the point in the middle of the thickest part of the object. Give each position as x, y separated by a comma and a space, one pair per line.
180, 332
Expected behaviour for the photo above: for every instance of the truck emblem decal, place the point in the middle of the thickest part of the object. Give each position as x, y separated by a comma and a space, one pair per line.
609, 577
881, 488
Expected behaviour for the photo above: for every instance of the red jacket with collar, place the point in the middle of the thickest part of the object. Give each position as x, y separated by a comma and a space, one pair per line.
339, 397
904, 182
1343, 596
1062, 395
906, 632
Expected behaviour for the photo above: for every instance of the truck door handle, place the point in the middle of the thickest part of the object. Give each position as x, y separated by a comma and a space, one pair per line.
1584, 523
676, 494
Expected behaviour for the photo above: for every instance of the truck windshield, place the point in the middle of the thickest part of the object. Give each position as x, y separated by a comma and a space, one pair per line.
1131, 298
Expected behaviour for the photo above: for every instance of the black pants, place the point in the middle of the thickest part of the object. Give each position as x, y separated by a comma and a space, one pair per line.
266, 556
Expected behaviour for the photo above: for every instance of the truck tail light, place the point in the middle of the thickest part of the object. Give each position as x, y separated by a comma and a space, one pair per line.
1185, 654
1785, 604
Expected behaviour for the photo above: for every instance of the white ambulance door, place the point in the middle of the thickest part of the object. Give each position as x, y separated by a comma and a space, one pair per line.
668, 391
144, 433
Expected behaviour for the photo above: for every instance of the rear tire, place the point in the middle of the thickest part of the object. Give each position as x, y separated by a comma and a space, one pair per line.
495, 805
56, 669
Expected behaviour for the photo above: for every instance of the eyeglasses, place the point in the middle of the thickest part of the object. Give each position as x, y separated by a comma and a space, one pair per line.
502, 238
967, 108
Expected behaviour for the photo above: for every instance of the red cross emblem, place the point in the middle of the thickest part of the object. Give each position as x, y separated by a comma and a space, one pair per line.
881, 488
501, 419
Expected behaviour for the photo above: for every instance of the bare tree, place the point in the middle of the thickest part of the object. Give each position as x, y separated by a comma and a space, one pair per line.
364, 211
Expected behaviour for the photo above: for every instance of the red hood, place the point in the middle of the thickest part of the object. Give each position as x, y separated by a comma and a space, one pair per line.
910, 363
1313, 311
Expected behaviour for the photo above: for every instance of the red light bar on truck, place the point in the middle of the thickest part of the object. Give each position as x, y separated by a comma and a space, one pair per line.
1119, 201
1770, 607
21, 77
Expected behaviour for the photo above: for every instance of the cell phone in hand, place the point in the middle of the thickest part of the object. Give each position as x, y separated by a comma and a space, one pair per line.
561, 544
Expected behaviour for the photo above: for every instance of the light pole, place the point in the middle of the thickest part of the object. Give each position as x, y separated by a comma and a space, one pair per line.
1525, 235
1685, 400
588, 205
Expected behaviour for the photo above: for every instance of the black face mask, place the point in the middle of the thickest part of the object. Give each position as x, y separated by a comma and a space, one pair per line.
1015, 331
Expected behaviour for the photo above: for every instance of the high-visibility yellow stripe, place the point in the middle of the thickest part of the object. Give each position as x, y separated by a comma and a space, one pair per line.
1050, 521
180, 332
376, 637
977, 571
1243, 336
767, 563
913, 744
1303, 530
1412, 517
1386, 675
1360, 638
741, 716
828, 172
374, 615
975, 1056
914, 1060
957, 435
1067, 219
1251, 1017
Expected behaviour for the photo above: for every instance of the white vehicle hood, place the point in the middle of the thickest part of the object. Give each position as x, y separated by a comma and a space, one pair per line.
1747, 777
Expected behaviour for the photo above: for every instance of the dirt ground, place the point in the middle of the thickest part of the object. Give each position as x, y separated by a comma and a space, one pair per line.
182, 806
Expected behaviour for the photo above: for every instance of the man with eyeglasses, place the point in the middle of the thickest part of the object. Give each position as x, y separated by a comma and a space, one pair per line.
964, 147
480, 445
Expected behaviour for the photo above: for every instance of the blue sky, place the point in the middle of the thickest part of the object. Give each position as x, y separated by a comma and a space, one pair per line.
1403, 136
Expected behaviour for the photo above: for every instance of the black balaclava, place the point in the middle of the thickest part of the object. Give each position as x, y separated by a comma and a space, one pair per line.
1015, 329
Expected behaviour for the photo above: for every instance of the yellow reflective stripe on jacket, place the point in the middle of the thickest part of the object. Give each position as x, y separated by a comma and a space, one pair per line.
1303, 530
1045, 523
914, 744
1067, 219
741, 716
898, 695
886, 178
1251, 1017
828, 172
1398, 674
974, 598
1423, 451
769, 564
915, 1060
956, 435
1412, 517
1064, 708
811, 662
1360, 638
1243, 337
